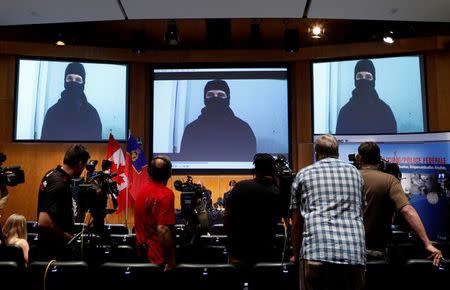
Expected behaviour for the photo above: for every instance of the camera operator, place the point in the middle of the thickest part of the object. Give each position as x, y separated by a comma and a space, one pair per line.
55, 205
385, 196
250, 215
154, 216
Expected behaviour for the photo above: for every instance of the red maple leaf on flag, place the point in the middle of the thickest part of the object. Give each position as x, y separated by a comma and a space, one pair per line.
116, 156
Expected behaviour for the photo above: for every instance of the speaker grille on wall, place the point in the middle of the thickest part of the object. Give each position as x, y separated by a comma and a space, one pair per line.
218, 33
291, 40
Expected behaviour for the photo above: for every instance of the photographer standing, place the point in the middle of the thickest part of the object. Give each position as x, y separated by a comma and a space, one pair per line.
154, 216
55, 205
250, 216
385, 196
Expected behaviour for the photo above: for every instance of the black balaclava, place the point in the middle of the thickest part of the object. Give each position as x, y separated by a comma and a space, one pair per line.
217, 103
365, 65
74, 87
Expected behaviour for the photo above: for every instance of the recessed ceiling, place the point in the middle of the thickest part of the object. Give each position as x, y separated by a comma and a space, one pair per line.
19, 12
398, 10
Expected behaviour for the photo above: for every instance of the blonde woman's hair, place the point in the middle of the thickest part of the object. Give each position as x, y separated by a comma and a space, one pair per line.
15, 226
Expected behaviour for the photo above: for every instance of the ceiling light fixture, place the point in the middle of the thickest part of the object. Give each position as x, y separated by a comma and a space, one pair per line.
389, 37
316, 31
171, 37
60, 40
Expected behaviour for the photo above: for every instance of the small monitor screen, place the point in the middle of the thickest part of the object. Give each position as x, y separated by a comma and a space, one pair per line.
70, 101
219, 118
384, 95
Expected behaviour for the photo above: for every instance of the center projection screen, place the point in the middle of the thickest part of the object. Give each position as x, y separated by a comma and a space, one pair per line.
219, 118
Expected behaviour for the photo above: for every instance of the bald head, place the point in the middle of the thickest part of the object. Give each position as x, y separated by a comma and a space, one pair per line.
326, 146
160, 169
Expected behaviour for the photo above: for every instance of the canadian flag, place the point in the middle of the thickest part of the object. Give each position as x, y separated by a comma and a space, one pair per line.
116, 156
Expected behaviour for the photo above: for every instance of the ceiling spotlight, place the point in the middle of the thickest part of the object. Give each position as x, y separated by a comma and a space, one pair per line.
172, 37
316, 31
389, 37
60, 40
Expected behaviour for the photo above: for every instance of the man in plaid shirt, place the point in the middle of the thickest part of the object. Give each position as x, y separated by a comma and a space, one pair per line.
327, 225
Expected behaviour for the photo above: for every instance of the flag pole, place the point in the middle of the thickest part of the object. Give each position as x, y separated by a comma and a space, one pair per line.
128, 186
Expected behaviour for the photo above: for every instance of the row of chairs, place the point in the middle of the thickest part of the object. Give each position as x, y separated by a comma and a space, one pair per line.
414, 274
70, 275
114, 229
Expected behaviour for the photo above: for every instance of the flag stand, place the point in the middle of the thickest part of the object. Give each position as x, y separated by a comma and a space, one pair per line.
126, 208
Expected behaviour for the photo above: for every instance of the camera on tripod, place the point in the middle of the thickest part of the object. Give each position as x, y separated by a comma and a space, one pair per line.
94, 191
285, 177
384, 166
11, 175
193, 204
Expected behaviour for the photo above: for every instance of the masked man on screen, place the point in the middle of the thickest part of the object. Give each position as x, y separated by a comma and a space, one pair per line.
365, 112
217, 134
72, 117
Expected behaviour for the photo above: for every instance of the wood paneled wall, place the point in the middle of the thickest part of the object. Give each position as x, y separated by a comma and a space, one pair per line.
37, 158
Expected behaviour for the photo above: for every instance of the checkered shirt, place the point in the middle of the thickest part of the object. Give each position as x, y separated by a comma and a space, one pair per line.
330, 196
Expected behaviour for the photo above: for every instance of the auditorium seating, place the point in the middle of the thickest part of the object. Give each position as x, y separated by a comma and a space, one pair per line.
131, 276
117, 229
217, 229
56, 275
206, 277
280, 276
32, 226
379, 276
12, 253
421, 274
10, 275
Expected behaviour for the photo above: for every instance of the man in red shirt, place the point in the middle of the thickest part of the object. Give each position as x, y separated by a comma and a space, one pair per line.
154, 215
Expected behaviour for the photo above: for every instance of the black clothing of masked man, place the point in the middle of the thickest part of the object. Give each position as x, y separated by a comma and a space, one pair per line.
72, 117
365, 112
218, 134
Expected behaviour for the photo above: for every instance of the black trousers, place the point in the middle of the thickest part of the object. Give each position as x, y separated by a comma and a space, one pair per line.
315, 275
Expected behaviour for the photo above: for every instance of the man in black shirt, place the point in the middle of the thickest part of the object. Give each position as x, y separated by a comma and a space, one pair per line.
250, 215
55, 205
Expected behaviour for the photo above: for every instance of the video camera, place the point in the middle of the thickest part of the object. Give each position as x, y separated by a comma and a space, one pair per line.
384, 166
11, 175
286, 177
94, 190
193, 204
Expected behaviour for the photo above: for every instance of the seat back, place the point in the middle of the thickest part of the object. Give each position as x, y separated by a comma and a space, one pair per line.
67, 275
117, 229
12, 253
280, 276
206, 277
10, 275
131, 276
379, 276
32, 227
421, 274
